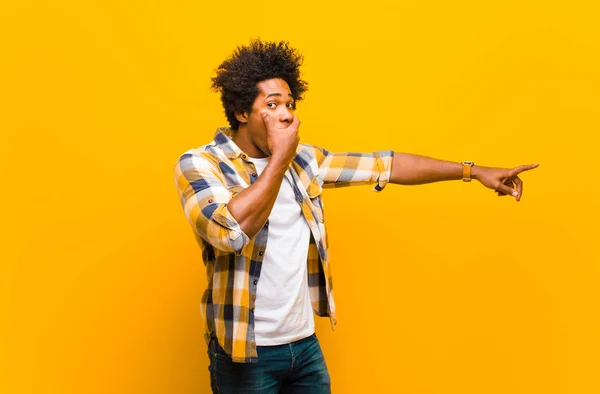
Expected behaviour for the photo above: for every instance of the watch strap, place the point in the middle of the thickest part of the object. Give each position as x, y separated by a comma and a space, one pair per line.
466, 170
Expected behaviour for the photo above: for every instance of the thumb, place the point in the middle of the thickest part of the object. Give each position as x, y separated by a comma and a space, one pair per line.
507, 190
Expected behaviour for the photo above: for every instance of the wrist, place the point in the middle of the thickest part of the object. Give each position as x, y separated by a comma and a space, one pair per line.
467, 171
278, 164
476, 171
281, 159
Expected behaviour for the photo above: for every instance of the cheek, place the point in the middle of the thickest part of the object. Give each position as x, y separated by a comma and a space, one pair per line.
258, 130
257, 125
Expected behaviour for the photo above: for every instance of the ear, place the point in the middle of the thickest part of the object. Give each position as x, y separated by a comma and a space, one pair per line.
241, 116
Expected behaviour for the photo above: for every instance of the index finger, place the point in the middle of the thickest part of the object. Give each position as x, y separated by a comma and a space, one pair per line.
520, 169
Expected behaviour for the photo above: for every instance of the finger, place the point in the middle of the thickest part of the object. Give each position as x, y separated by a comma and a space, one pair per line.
520, 169
266, 119
519, 184
508, 183
507, 190
502, 194
295, 122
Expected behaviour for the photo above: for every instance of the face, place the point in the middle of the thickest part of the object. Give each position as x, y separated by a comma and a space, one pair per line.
274, 97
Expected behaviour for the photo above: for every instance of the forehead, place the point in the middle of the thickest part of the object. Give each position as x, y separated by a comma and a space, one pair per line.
274, 85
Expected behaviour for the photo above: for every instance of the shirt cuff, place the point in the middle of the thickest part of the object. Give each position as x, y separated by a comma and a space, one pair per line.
236, 236
383, 162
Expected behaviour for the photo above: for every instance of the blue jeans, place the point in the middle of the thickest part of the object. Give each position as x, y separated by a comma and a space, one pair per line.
297, 367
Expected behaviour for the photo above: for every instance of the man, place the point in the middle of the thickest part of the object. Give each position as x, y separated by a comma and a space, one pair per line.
253, 198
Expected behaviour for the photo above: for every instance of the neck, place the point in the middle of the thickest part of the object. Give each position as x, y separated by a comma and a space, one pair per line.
242, 139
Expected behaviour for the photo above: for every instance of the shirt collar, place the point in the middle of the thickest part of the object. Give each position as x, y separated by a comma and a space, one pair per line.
226, 144
223, 140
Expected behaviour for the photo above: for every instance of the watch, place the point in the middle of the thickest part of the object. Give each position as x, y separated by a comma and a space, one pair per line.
467, 170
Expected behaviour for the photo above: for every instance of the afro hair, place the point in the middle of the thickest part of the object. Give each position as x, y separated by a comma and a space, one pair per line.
238, 75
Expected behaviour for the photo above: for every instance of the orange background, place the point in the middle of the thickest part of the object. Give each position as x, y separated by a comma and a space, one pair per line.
441, 288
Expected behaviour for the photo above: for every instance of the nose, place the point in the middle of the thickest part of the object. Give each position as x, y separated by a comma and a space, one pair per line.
286, 115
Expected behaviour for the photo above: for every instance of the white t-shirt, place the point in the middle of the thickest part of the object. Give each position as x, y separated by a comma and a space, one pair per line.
283, 311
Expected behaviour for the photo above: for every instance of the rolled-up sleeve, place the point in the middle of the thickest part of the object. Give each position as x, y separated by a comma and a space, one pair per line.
350, 168
204, 198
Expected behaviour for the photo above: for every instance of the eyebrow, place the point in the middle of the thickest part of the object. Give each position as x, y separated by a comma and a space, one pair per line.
277, 94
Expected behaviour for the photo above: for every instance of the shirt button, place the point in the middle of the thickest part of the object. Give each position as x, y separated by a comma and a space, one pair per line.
260, 253
253, 175
267, 224
210, 201
244, 156
255, 281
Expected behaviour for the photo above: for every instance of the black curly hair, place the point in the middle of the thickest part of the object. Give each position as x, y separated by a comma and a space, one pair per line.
238, 75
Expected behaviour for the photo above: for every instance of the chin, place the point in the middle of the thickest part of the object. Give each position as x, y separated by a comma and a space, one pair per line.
267, 152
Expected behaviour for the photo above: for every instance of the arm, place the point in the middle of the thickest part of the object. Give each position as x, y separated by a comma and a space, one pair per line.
226, 223
340, 169
253, 205
229, 223
204, 197
410, 169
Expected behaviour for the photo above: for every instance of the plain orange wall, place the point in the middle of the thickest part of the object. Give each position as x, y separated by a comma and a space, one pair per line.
441, 288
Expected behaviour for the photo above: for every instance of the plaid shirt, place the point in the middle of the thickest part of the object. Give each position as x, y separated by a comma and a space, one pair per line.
208, 177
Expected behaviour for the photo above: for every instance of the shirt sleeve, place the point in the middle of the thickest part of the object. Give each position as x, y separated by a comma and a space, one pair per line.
350, 168
204, 197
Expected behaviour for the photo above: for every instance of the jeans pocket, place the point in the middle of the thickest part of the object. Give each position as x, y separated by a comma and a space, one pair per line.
216, 351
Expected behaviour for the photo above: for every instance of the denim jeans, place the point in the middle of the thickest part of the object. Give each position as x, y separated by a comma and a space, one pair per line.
297, 367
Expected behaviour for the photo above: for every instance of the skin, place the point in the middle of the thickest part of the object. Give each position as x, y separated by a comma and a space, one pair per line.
271, 129
254, 136
410, 169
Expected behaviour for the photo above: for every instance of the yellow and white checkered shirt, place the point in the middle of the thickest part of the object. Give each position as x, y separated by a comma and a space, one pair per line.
208, 177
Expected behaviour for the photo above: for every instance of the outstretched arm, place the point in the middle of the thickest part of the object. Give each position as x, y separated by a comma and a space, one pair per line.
411, 169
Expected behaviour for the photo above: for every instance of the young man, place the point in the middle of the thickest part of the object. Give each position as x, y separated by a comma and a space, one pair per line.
253, 198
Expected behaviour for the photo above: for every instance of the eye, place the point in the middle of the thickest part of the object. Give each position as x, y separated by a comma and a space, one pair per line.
291, 105
271, 105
